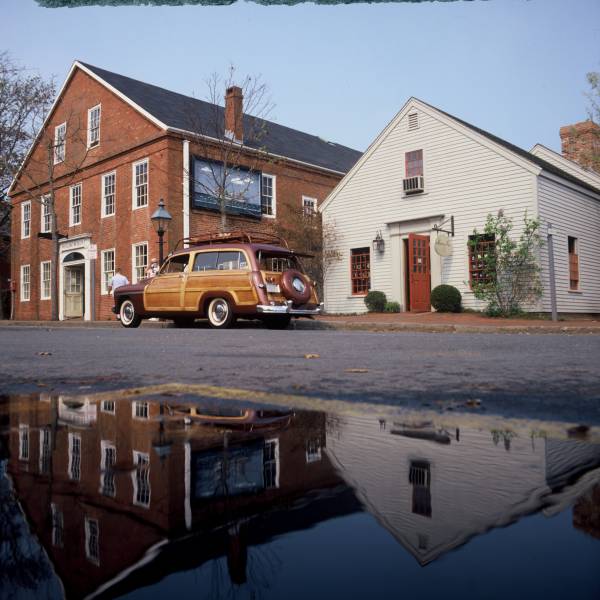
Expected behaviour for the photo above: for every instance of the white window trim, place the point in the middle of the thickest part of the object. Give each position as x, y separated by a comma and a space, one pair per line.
133, 187
133, 406
134, 278
23, 205
103, 212
23, 432
274, 187
71, 222
275, 442
145, 455
43, 205
21, 295
56, 159
104, 445
314, 200
72, 437
89, 123
104, 289
93, 559
105, 410
42, 295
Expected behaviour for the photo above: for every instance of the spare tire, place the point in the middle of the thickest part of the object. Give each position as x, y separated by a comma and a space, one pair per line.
295, 286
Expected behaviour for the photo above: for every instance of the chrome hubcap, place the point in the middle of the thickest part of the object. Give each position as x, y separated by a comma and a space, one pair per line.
298, 285
127, 312
219, 312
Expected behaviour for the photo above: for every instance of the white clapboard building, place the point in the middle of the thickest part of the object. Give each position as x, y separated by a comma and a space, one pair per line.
428, 170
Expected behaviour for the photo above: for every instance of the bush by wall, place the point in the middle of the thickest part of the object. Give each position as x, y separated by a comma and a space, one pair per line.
446, 298
392, 307
375, 301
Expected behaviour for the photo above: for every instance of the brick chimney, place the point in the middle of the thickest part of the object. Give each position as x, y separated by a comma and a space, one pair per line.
234, 110
581, 143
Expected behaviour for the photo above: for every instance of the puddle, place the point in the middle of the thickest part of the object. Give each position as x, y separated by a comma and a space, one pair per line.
167, 493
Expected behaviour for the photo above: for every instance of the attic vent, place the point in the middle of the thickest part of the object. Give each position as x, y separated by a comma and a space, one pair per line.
413, 121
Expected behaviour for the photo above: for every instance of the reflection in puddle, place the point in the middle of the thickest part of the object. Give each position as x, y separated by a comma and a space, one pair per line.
208, 499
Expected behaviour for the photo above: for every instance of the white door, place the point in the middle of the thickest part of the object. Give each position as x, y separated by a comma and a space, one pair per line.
74, 292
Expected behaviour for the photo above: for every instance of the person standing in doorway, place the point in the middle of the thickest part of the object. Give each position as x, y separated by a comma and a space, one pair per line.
118, 280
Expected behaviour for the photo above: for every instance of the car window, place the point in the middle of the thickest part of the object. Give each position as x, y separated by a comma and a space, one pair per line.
228, 261
278, 264
176, 264
205, 261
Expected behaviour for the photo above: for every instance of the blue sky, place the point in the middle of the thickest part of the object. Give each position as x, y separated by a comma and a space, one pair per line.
514, 67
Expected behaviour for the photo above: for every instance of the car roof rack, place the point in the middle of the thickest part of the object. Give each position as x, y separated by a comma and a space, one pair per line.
237, 235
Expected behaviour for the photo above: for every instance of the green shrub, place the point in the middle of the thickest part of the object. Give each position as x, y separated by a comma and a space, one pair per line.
375, 301
446, 298
392, 307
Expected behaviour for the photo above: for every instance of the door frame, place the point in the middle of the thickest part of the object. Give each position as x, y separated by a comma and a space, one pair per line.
81, 244
65, 266
411, 294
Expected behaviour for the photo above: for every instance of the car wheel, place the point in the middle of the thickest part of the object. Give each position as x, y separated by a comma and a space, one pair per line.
278, 322
219, 313
129, 317
183, 322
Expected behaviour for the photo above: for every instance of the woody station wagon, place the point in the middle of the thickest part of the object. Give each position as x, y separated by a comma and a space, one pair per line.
222, 277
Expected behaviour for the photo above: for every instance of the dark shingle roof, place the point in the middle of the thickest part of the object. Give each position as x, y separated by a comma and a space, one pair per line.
190, 114
540, 162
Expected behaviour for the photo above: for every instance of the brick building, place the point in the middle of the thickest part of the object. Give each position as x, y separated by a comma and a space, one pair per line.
114, 147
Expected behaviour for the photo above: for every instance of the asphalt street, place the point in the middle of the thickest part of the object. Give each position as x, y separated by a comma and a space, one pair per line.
543, 376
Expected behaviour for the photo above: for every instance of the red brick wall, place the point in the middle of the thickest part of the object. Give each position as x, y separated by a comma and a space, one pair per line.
581, 143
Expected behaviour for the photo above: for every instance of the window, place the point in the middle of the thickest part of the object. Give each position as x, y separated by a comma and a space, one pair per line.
414, 163
313, 450
413, 121
140, 184
25, 219
74, 457
271, 464
309, 206
141, 479
140, 261
205, 261
58, 526
92, 541
267, 196
140, 410
45, 280
108, 269
108, 406
481, 252
46, 213
60, 136
231, 261
23, 442
25, 283
109, 187
177, 264
45, 450
108, 458
573, 245
360, 271
93, 134
75, 213
419, 476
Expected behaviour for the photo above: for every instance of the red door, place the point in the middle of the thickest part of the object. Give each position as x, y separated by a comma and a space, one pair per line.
419, 273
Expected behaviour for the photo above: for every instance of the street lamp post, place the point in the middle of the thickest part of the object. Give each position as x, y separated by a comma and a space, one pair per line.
160, 219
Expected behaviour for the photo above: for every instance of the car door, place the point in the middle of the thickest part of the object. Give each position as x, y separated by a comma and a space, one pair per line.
165, 291
200, 278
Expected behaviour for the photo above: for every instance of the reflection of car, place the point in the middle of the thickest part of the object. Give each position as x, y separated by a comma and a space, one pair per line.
222, 277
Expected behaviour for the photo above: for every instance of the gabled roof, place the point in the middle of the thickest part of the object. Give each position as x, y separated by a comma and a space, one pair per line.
185, 113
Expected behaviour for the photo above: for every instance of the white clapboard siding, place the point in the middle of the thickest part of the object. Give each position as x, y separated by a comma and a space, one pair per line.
576, 214
463, 177
567, 165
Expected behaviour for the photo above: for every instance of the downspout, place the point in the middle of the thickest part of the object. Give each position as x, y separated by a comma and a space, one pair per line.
186, 189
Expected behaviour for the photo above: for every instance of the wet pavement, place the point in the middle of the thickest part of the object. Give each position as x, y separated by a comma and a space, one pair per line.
160, 492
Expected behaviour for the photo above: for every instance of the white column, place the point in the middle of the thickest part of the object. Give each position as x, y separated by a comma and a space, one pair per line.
186, 189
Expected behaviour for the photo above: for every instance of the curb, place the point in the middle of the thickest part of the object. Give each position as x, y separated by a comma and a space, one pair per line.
324, 325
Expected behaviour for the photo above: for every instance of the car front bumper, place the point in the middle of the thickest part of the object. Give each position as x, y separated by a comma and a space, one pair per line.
287, 309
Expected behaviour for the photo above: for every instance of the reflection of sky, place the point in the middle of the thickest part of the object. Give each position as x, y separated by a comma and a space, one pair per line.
354, 557
241, 185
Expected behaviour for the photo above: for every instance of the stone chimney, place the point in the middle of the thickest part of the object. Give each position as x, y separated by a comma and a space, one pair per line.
234, 111
581, 143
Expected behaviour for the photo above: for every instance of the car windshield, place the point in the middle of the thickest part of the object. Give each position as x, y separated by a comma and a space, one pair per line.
277, 262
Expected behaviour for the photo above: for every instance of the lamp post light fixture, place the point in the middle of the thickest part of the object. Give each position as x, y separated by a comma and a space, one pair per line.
160, 219
379, 243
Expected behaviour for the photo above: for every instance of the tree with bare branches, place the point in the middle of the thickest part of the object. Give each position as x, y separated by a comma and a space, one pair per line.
25, 98
232, 142
593, 96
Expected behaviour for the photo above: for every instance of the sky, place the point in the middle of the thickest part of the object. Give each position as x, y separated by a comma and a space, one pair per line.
516, 68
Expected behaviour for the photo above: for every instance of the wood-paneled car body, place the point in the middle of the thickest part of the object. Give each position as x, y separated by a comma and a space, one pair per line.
221, 278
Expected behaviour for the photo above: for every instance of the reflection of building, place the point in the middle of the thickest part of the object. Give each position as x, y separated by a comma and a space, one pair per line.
105, 485
434, 490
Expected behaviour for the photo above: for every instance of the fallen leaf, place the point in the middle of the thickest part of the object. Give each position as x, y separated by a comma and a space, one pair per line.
44, 353
312, 356
354, 370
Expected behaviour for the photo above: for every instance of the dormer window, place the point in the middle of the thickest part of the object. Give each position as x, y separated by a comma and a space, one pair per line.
93, 134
